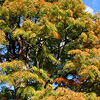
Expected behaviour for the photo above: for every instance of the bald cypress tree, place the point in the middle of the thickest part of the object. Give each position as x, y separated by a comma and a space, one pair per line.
45, 42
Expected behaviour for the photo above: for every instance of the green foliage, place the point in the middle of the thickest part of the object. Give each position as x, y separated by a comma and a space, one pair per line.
26, 92
56, 39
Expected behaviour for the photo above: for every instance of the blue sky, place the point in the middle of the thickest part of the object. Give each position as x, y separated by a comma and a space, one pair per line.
93, 6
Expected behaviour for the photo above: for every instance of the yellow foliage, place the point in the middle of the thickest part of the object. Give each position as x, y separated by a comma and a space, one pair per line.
91, 72
14, 65
84, 37
2, 37
92, 38
53, 59
69, 65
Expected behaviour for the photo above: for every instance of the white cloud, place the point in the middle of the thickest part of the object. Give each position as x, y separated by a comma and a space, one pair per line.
89, 10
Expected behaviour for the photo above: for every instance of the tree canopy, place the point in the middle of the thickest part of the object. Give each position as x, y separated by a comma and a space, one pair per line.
49, 50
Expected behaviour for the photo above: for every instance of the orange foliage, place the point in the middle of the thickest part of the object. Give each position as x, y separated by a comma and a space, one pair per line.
41, 3
55, 2
74, 60
61, 79
63, 21
81, 79
57, 35
98, 46
67, 82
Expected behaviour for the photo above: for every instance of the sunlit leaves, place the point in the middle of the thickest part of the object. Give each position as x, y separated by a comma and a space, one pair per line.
70, 66
23, 8
2, 23
29, 30
44, 93
7, 79
86, 63
18, 32
12, 66
91, 72
28, 91
40, 72
55, 39
53, 59
15, 74
48, 28
9, 10
2, 37
76, 5
84, 37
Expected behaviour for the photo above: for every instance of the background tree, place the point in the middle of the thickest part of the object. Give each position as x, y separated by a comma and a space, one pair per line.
45, 42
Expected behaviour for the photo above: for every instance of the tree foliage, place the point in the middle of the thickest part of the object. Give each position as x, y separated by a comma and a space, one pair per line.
45, 42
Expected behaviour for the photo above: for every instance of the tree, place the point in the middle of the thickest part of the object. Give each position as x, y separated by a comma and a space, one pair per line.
43, 42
